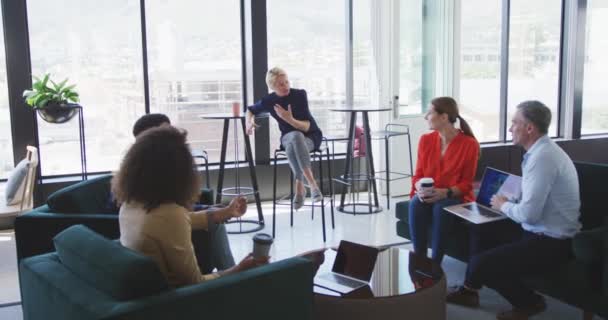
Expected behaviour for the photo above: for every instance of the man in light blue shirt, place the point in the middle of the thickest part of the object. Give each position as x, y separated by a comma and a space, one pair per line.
548, 212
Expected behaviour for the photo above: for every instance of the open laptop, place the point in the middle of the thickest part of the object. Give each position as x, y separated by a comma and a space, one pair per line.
352, 268
493, 182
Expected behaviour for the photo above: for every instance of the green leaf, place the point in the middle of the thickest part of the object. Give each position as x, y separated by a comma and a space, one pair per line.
68, 89
36, 101
28, 93
46, 79
61, 84
42, 103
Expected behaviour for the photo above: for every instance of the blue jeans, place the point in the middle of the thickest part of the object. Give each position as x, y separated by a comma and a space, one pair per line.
430, 216
212, 248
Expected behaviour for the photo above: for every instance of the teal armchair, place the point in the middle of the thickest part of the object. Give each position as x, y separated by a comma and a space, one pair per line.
91, 277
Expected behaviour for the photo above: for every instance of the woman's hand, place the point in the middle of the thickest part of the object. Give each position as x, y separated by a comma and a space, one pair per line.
237, 206
438, 194
247, 263
286, 115
250, 262
251, 125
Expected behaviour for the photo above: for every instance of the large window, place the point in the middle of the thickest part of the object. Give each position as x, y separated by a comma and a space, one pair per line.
410, 56
307, 40
97, 45
534, 55
195, 66
479, 80
6, 145
365, 58
595, 105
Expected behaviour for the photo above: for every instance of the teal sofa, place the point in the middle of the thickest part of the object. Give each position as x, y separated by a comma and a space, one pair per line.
91, 277
88, 203
583, 282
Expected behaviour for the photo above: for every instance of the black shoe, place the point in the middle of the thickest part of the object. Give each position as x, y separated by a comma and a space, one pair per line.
463, 296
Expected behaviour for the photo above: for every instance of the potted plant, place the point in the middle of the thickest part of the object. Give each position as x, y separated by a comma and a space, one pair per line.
55, 102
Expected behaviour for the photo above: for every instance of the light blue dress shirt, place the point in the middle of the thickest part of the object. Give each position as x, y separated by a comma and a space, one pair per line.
550, 201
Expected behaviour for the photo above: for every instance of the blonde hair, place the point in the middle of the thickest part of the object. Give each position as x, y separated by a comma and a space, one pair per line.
272, 75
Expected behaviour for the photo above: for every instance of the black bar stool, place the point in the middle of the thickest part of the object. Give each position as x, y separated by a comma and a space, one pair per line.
206, 196
392, 130
287, 200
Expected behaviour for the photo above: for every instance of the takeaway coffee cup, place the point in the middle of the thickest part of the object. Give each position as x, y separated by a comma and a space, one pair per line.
426, 187
261, 245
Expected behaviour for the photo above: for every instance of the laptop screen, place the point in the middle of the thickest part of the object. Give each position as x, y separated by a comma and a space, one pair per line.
490, 184
355, 260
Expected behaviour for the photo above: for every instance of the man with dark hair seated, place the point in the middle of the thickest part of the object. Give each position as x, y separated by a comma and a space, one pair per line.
148, 121
215, 233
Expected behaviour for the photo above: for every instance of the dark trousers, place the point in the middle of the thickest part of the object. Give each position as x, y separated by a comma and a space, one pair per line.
425, 217
503, 268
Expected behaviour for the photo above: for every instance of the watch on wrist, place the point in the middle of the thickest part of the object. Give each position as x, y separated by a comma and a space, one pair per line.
450, 193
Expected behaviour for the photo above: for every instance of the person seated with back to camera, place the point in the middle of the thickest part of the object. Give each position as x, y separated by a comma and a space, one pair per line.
448, 155
155, 197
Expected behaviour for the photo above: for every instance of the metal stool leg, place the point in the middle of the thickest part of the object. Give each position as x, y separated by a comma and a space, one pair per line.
322, 195
331, 190
291, 195
274, 196
388, 173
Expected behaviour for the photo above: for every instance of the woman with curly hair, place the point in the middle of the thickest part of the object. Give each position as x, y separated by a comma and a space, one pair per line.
156, 186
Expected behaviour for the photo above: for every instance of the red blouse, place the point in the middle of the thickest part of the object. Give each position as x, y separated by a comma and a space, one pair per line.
456, 168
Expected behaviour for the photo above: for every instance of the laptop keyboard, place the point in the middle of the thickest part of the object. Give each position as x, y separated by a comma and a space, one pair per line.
343, 281
487, 213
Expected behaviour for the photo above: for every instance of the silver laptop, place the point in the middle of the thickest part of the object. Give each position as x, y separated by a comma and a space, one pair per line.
493, 182
352, 268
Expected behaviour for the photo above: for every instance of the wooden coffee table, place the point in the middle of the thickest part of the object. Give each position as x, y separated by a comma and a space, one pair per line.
403, 286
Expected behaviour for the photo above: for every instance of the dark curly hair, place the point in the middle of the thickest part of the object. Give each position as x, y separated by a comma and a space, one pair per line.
158, 169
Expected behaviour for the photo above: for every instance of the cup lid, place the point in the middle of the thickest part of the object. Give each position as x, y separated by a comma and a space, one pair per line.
262, 238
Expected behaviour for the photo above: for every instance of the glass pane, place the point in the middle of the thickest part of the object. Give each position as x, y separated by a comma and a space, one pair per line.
307, 40
194, 57
480, 67
365, 73
410, 57
595, 105
6, 142
534, 55
97, 45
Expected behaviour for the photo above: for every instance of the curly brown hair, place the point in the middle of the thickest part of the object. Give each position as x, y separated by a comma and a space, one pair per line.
157, 169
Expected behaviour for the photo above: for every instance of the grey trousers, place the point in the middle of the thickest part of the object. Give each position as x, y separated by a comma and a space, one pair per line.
297, 147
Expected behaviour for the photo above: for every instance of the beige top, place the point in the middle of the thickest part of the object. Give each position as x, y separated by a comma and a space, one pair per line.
164, 234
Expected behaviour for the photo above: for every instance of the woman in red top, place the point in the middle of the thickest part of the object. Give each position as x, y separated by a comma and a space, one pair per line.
448, 155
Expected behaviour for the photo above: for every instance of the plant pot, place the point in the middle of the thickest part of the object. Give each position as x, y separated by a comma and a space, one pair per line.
58, 113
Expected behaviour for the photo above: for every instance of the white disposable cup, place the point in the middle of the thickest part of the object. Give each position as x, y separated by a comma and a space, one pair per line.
261, 245
426, 187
